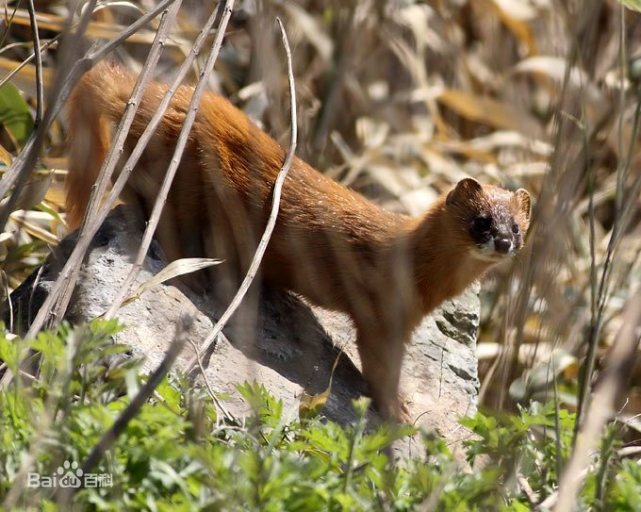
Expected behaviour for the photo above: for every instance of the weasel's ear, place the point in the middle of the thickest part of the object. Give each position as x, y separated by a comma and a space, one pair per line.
525, 203
464, 190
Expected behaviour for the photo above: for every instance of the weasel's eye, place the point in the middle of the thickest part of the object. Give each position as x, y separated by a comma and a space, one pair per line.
515, 228
482, 224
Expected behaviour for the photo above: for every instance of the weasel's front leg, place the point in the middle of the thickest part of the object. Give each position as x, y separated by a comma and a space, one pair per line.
382, 358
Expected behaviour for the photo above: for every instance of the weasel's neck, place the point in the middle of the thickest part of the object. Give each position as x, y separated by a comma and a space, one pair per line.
443, 265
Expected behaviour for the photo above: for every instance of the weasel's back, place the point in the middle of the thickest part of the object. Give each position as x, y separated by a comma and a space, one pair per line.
228, 147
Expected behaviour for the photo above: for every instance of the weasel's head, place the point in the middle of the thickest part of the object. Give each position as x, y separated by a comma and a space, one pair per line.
493, 220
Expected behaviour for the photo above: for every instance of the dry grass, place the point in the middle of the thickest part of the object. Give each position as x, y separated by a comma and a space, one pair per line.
400, 100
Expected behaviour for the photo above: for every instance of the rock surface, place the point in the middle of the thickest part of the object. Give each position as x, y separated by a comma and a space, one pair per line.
286, 345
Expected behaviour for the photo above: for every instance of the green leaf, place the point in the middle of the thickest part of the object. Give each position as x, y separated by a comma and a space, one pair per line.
635, 5
15, 114
10, 353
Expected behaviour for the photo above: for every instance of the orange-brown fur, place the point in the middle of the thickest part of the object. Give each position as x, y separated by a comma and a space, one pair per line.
331, 245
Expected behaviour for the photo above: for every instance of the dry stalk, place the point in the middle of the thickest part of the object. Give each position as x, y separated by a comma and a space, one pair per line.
210, 342
19, 171
220, 408
36, 52
555, 196
161, 199
623, 208
69, 272
117, 146
68, 73
41, 48
71, 268
63, 287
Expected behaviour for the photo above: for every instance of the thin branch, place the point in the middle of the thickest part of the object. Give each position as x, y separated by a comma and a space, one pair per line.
22, 165
36, 51
525, 486
68, 73
61, 292
181, 143
220, 408
550, 206
93, 225
271, 223
26, 61
118, 142
104, 179
63, 287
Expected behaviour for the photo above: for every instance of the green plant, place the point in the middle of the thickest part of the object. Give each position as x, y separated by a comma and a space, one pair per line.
178, 453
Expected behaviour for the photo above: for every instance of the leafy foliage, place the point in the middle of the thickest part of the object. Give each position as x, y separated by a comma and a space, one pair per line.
15, 115
178, 453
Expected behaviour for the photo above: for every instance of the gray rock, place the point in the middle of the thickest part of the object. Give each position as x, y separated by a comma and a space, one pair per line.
282, 342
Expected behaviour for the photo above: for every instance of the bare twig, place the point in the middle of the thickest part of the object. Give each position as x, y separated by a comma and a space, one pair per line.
113, 156
271, 223
120, 136
553, 199
183, 137
525, 486
41, 49
36, 52
67, 275
68, 73
64, 284
21, 167
63, 287
219, 406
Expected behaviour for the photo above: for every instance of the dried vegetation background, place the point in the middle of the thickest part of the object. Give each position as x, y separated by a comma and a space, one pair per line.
401, 99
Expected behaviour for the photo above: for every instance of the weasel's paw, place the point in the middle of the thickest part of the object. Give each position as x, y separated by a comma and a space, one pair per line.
403, 411
395, 411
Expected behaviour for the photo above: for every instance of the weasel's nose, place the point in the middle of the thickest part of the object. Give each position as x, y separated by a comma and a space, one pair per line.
502, 245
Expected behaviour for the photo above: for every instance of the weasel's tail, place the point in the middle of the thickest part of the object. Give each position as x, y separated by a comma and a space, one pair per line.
97, 101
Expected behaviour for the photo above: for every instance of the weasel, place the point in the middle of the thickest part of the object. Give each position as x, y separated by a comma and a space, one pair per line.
331, 245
